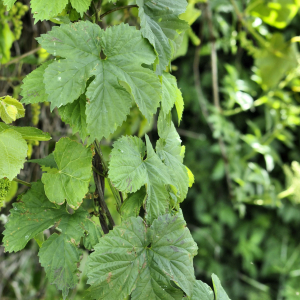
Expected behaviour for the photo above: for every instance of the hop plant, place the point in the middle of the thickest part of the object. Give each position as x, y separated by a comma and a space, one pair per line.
5, 185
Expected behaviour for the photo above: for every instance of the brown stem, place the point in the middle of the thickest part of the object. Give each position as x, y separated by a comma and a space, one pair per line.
17, 59
117, 8
214, 62
22, 182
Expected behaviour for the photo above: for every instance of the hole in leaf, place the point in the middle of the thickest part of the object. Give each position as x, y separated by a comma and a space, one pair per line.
102, 55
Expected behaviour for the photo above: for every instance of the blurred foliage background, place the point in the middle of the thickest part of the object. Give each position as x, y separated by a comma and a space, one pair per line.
238, 70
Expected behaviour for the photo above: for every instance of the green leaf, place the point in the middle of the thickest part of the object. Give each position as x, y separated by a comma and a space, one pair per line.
81, 5
59, 256
278, 13
108, 101
28, 133
129, 172
33, 87
46, 162
45, 10
13, 149
135, 258
74, 115
9, 3
132, 205
70, 181
219, 291
202, 291
93, 236
161, 26
10, 109
168, 149
7, 39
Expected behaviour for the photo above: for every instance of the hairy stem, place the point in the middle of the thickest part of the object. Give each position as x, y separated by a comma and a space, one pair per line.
22, 182
117, 8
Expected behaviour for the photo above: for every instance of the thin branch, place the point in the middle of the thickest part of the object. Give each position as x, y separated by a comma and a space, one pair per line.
117, 8
17, 59
214, 62
22, 182
89, 17
96, 12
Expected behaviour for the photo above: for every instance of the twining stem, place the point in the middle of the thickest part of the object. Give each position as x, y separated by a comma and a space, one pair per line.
22, 182
216, 97
117, 8
17, 59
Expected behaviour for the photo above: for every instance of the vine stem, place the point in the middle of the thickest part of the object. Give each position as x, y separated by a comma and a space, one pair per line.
216, 96
17, 59
115, 9
22, 182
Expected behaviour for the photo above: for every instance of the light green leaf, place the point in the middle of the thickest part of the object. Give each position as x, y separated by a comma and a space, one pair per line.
28, 133
161, 26
169, 149
13, 149
129, 172
33, 87
132, 205
45, 10
9, 3
70, 181
6, 41
10, 109
137, 258
81, 5
59, 256
46, 162
74, 115
219, 291
123, 51
202, 291
278, 13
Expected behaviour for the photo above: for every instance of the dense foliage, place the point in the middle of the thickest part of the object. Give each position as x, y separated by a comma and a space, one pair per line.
110, 193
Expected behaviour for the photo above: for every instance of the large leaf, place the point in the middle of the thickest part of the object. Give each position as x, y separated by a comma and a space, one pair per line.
129, 172
13, 151
33, 87
74, 115
135, 258
161, 26
119, 76
278, 13
70, 181
169, 149
28, 133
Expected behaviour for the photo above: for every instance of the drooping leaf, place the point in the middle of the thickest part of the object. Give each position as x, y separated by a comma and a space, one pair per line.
119, 76
219, 291
202, 291
28, 133
132, 205
71, 179
33, 87
45, 10
136, 258
168, 149
81, 5
129, 172
13, 150
161, 25
74, 115
59, 256
10, 109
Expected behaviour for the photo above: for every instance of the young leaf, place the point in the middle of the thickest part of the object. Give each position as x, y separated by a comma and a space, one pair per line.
10, 109
129, 172
28, 133
70, 181
219, 291
161, 26
109, 102
13, 149
74, 115
45, 10
168, 149
136, 258
33, 87
59, 256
